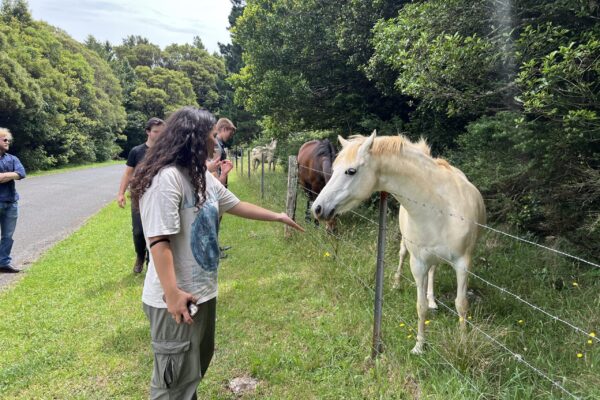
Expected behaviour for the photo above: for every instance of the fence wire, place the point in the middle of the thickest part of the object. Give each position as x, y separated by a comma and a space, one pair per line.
516, 356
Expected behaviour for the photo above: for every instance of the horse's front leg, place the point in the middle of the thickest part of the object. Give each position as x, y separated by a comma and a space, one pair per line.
419, 271
398, 274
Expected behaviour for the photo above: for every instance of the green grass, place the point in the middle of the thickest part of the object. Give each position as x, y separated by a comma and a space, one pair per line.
296, 314
74, 168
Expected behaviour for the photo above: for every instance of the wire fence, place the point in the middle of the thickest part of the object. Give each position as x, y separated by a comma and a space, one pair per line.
343, 242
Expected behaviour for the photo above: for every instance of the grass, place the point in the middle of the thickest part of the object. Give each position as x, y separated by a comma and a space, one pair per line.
297, 315
74, 168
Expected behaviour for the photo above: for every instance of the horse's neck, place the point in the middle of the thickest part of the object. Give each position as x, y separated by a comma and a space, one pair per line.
412, 178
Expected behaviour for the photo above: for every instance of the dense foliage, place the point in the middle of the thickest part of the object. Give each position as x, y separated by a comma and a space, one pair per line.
68, 102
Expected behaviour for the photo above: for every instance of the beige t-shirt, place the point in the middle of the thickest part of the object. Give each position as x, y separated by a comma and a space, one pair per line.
167, 208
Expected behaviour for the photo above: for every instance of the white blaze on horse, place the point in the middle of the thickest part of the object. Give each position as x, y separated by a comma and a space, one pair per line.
432, 194
264, 153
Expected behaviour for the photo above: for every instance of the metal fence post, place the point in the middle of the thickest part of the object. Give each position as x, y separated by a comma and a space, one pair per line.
377, 342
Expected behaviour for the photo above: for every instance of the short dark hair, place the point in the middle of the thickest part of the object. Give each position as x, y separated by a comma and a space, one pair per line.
154, 122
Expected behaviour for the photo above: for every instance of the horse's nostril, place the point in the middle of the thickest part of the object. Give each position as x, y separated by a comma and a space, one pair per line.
318, 210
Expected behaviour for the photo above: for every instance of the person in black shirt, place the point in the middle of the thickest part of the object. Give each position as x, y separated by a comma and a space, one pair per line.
154, 128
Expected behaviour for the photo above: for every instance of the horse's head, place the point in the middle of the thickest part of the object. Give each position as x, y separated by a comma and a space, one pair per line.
352, 181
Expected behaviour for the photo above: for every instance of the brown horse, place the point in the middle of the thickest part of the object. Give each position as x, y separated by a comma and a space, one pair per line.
315, 159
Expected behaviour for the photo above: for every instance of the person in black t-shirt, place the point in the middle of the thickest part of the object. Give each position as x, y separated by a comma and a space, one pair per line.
154, 128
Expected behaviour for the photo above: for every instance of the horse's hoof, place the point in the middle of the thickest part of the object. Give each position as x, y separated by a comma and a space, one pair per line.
432, 306
396, 285
418, 349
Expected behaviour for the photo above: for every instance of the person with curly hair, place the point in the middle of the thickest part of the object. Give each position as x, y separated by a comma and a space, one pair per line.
180, 204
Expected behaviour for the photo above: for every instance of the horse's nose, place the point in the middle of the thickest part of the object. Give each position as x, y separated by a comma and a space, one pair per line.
318, 211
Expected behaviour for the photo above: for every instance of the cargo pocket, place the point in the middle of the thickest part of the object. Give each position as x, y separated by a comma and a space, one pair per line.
168, 360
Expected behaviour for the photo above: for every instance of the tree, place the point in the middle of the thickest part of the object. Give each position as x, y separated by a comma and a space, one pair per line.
295, 71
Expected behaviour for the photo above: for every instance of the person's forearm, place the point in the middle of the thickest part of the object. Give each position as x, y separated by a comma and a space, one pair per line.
125, 180
252, 211
9, 176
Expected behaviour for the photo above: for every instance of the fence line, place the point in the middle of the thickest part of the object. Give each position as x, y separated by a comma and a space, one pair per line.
517, 357
462, 218
554, 317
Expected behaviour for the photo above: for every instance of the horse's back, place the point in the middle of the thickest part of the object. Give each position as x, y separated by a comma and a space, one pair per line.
306, 152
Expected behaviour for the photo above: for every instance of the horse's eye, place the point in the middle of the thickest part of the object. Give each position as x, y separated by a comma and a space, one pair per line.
350, 171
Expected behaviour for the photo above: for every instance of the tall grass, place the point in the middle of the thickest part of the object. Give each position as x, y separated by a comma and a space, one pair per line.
296, 314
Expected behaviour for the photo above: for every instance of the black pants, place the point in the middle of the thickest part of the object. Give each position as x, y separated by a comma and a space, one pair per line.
139, 241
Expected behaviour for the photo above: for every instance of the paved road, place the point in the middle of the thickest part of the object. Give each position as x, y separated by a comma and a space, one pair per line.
53, 206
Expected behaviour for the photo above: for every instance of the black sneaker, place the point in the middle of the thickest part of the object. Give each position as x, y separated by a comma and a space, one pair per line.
9, 269
138, 267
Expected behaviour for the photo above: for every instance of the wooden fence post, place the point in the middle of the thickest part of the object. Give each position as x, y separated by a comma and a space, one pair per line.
248, 164
262, 176
242, 161
290, 201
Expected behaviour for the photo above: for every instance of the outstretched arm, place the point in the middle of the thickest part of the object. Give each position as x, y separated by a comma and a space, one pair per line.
251, 211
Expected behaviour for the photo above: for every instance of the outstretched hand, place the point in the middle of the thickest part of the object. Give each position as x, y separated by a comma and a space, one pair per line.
284, 218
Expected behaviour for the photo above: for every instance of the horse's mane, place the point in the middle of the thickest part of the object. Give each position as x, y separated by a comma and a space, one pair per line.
325, 148
385, 145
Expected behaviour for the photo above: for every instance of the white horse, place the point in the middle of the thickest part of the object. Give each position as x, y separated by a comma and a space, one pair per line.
432, 194
268, 152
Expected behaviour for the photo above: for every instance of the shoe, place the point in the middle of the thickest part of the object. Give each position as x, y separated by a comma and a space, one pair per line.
224, 248
138, 267
9, 269
222, 255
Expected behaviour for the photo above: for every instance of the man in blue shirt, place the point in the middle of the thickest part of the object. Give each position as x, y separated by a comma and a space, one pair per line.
11, 170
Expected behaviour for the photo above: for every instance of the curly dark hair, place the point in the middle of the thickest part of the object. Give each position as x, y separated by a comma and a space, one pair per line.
186, 142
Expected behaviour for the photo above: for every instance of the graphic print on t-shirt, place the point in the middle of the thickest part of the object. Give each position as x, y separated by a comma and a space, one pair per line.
204, 237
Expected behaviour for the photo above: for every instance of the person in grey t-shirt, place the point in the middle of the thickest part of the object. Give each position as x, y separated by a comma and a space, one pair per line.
180, 204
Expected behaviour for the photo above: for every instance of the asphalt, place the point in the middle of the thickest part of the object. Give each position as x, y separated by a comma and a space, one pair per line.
51, 207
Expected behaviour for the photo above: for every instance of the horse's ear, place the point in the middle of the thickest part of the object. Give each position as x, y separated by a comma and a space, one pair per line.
365, 147
343, 142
